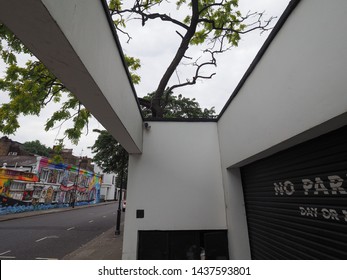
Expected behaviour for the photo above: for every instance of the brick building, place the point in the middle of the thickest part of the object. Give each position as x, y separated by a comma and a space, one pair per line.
9, 147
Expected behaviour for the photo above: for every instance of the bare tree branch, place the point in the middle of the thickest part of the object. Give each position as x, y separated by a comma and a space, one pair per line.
197, 75
260, 25
140, 9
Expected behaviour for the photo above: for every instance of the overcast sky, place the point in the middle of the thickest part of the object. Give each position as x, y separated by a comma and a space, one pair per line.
155, 47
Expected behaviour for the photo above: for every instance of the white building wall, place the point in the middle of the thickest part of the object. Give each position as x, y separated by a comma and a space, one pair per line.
177, 181
107, 192
78, 19
108, 186
296, 92
299, 83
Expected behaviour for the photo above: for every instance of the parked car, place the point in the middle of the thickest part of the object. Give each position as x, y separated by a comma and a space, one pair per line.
124, 205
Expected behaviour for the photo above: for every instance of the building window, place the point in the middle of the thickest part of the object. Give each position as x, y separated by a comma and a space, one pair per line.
17, 190
54, 197
44, 175
16, 186
16, 195
60, 176
37, 193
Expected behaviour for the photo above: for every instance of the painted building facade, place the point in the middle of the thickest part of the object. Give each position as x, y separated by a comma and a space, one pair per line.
50, 183
16, 186
64, 179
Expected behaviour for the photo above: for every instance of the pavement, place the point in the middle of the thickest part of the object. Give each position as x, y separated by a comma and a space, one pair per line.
106, 246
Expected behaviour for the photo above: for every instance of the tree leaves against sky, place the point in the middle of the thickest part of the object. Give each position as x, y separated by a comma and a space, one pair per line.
213, 26
110, 155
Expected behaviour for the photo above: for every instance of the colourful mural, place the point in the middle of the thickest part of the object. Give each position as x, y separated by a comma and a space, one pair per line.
17, 175
71, 178
54, 184
16, 186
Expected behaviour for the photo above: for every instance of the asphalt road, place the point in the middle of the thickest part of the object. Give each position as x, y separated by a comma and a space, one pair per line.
54, 235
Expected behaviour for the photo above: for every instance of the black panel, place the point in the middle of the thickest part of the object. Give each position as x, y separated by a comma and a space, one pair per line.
214, 244
296, 201
140, 213
153, 245
183, 245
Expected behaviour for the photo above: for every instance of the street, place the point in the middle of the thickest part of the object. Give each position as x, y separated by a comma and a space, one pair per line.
52, 236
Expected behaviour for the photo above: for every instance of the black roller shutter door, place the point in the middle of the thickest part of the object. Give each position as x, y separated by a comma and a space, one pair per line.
296, 201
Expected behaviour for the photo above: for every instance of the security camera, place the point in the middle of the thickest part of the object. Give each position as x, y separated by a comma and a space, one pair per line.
147, 126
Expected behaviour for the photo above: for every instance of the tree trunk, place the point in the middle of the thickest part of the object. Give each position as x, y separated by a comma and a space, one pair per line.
157, 105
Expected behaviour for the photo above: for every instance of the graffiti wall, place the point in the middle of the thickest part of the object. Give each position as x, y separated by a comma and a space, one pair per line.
70, 179
53, 184
16, 186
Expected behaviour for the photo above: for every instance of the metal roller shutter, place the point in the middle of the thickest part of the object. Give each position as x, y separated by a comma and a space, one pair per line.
296, 201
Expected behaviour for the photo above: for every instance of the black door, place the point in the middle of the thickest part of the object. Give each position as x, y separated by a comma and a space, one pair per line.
214, 246
183, 245
153, 245
296, 201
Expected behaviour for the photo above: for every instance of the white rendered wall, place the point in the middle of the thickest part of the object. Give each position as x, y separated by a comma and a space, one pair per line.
108, 190
84, 24
108, 183
111, 192
177, 181
297, 91
299, 83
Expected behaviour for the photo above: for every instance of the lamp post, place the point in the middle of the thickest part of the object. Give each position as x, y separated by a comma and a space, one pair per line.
119, 211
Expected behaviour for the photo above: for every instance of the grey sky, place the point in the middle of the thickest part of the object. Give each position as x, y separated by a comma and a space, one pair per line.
155, 54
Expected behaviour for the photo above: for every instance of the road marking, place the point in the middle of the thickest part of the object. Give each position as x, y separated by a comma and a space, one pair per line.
38, 240
104, 216
6, 257
91, 221
71, 228
46, 259
46, 237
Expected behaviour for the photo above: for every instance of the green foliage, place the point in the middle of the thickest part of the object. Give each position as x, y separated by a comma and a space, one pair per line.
10, 45
114, 4
180, 107
37, 148
215, 20
110, 155
57, 150
133, 65
32, 87
214, 26
29, 89
218, 20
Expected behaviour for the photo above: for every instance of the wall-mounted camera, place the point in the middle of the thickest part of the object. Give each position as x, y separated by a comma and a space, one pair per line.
147, 126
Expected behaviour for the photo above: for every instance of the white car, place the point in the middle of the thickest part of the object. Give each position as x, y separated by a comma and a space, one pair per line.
124, 204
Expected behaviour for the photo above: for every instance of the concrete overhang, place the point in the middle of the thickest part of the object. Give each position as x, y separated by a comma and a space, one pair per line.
75, 41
